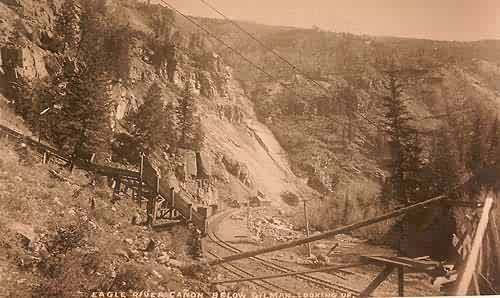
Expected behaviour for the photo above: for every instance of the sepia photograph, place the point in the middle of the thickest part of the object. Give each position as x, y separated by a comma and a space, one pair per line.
249, 148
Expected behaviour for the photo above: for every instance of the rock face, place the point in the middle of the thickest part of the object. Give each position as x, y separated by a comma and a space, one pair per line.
23, 62
187, 58
238, 170
204, 164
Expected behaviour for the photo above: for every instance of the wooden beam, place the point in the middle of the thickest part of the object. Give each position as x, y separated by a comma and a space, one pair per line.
377, 281
324, 269
495, 238
466, 276
330, 233
401, 281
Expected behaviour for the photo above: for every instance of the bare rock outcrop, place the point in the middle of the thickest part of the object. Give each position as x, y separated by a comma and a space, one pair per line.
238, 170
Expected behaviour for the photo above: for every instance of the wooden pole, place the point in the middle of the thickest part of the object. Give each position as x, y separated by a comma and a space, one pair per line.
377, 281
139, 189
495, 239
401, 281
172, 198
330, 233
248, 214
470, 265
309, 252
190, 212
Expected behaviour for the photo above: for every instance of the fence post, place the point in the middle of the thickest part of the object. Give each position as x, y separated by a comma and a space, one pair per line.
152, 203
190, 214
470, 265
139, 190
172, 198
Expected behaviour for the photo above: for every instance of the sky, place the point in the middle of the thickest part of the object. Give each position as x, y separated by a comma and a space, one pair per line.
462, 20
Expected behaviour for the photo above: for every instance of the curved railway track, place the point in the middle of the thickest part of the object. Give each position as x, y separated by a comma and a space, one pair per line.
214, 238
270, 286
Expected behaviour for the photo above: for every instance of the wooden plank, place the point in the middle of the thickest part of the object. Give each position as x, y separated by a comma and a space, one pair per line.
199, 222
419, 264
470, 265
401, 281
495, 238
330, 233
385, 261
377, 281
475, 286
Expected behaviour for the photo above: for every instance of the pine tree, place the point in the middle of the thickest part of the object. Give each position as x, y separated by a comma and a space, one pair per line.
171, 125
149, 122
199, 135
185, 114
493, 154
444, 175
475, 156
68, 25
84, 126
403, 142
413, 181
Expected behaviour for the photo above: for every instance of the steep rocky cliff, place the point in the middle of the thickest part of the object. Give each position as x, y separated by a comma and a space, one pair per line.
274, 136
343, 153
242, 154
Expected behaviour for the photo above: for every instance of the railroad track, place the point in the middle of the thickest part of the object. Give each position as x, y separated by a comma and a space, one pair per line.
282, 269
239, 272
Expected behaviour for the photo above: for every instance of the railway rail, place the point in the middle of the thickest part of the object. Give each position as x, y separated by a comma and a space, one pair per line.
323, 283
238, 271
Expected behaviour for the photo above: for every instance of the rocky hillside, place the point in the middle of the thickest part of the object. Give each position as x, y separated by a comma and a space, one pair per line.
343, 153
240, 154
284, 137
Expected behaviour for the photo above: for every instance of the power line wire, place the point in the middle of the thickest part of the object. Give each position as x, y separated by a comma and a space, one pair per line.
269, 49
260, 68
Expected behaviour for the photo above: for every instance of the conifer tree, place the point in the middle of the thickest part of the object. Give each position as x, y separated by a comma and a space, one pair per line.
185, 114
68, 25
171, 125
149, 122
493, 154
475, 156
403, 143
84, 126
444, 164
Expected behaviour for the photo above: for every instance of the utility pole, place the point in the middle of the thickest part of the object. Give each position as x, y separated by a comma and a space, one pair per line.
306, 217
40, 123
248, 213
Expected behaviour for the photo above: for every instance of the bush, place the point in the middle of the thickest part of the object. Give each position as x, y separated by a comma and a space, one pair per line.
290, 198
129, 277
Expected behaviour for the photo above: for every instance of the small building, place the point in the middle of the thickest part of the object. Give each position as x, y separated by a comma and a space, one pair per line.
259, 200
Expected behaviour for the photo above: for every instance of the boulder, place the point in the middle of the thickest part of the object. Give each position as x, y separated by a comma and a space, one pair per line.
23, 61
207, 86
163, 259
190, 166
27, 233
238, 170
177, 263
204, 165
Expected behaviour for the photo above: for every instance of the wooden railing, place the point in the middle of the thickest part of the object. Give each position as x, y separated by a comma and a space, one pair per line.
177, 200
147, 175
469, 272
